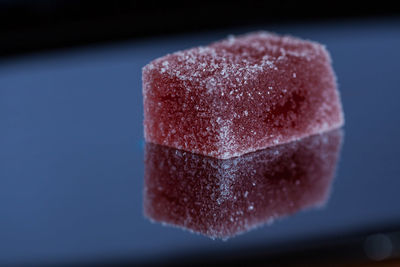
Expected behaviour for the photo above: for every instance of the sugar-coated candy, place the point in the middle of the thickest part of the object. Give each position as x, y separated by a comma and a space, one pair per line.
240, 95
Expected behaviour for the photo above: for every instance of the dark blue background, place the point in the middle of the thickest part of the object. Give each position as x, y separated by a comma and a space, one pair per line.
71, 149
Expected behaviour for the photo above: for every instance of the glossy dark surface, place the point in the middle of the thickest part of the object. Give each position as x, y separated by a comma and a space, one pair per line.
71, 150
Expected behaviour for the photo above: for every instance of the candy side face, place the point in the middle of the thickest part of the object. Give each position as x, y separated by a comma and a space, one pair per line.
240, 95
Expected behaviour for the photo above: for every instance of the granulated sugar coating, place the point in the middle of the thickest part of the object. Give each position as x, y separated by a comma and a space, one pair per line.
239, 95
221, 198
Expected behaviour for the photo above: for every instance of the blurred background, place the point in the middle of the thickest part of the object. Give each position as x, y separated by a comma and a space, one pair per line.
71, 136
27, 26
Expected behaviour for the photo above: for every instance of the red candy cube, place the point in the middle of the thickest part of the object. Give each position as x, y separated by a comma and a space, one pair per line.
240, 95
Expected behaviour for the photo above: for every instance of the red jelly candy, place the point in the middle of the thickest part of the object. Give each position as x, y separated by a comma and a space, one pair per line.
240, 95
221, 198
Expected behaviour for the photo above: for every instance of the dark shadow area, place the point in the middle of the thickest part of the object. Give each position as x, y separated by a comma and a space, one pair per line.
28, 26
362, 247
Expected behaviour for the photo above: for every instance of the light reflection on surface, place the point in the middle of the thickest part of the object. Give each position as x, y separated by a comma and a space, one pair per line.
222, 198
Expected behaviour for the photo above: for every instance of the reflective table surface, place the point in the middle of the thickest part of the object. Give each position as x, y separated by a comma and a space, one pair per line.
73, 188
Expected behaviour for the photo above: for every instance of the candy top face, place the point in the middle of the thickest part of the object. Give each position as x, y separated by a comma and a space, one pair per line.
240, 95
223, 66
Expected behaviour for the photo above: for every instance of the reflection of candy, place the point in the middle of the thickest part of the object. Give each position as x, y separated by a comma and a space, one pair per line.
240, 95
221, 198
